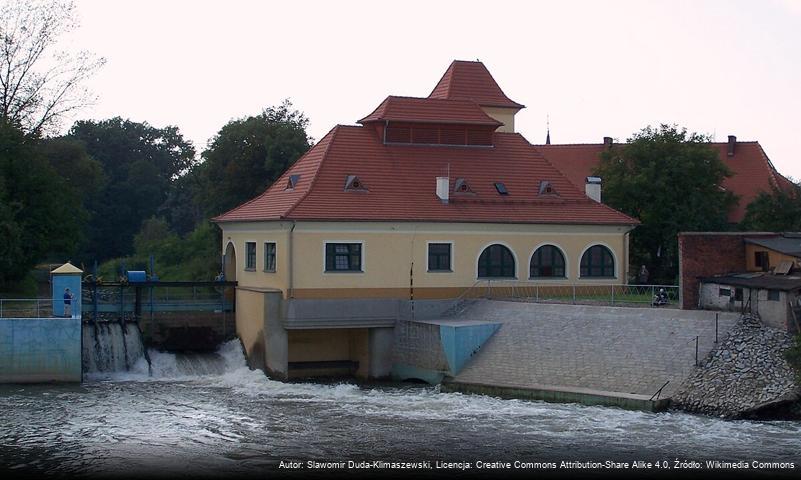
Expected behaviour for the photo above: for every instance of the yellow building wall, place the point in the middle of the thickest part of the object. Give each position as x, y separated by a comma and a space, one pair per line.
505, 115
259, 232
774, 258
250, 321
330, 345
395, 255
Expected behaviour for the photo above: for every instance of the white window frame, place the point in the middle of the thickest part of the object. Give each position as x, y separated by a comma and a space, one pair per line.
514, 256
264, 250
549, 279
256, 259
439, 242
615, 263
346, 272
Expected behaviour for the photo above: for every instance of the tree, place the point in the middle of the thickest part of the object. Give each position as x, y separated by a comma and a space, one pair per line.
39, 85
181, 208
141, 164
248, 154
39, 213
72, 162
777, 211
670, 181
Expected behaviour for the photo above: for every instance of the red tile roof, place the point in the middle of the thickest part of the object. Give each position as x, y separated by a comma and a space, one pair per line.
425, 110
401, 185
471, 81
752, 171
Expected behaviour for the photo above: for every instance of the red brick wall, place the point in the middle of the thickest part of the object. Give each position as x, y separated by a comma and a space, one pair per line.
708, 254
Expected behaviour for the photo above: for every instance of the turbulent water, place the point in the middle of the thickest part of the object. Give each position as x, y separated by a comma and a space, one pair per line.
211, 416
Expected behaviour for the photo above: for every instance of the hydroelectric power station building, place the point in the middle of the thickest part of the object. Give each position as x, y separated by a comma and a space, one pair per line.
391, 220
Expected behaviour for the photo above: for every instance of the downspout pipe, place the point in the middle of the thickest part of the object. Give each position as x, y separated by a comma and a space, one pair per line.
290, 289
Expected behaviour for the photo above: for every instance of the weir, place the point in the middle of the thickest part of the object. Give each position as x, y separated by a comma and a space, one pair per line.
175, 316
114, 349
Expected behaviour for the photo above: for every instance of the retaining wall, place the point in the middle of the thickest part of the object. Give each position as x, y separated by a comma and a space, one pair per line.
34, 350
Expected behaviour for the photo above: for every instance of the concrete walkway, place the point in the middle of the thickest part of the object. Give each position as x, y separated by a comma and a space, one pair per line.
606, 349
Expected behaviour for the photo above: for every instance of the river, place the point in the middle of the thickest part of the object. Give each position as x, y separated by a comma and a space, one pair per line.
211, 416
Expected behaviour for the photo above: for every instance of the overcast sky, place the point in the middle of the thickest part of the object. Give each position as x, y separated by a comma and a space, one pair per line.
600, 68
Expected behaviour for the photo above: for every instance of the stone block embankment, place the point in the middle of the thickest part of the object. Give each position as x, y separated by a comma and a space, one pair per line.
610, 349
746, 376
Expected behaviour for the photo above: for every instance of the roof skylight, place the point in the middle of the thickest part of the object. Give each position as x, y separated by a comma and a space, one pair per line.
292, 181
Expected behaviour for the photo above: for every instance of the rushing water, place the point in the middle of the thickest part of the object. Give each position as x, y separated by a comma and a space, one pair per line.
210, 416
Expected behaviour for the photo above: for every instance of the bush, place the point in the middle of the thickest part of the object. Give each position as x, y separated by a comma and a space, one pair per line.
195, 257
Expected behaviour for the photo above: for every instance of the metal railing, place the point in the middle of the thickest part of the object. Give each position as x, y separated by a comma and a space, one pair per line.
579, 294
26, 307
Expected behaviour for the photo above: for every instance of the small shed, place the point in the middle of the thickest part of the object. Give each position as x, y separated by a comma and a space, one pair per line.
775, 298
67, 276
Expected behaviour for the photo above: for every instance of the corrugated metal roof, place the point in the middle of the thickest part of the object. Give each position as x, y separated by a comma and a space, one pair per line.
786, 245
767, 281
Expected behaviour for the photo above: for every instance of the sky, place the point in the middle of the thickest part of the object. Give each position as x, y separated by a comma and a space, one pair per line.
595, 68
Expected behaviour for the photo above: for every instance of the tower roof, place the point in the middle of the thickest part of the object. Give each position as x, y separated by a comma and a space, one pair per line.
472, 81
428, 110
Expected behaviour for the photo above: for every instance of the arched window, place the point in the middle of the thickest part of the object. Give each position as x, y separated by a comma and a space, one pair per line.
547, 261
496, 261
597, 261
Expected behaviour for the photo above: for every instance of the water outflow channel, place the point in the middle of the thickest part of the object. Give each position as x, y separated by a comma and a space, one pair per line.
209, 415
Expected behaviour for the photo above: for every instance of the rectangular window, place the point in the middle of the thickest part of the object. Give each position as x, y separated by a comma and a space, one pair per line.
343, 257
762, 260
738, 294
439, 257
250, 255
724, 292
269, 256
773, 295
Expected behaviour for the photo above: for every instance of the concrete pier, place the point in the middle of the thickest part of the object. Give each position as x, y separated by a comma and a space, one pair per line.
36, 350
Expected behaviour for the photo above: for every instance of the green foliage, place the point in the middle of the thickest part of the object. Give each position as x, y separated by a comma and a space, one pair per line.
27, 287
248, 154
195, 256
140, 163
72, 162
670, 181
40, 213
777, 211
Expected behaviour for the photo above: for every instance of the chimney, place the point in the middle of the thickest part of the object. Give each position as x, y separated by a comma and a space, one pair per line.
443, 191
608, 142
593, 188
732, 144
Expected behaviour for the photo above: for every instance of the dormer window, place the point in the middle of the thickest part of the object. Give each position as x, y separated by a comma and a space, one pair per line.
461, 186
501, 188
547, 188
353, 183
292, 181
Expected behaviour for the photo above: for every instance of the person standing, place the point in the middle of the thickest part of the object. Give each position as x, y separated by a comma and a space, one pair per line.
68, 296
643, 276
